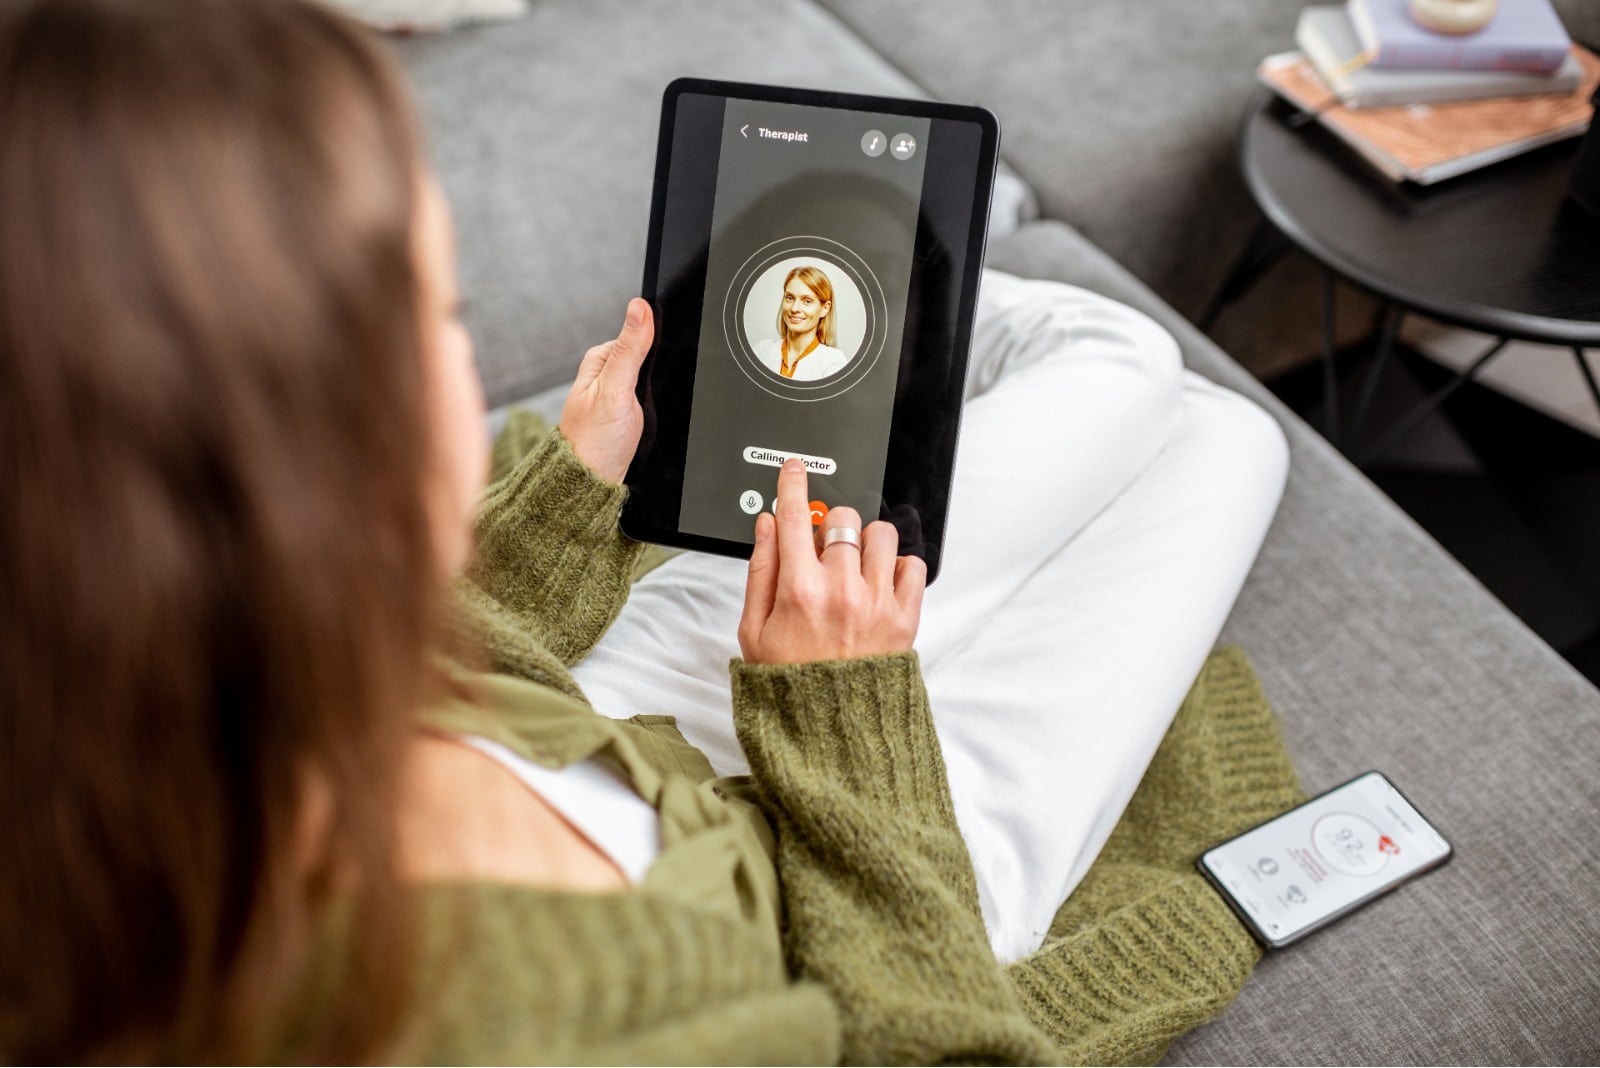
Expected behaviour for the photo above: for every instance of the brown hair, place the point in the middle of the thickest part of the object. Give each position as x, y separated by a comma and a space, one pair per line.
813, 279
216, 568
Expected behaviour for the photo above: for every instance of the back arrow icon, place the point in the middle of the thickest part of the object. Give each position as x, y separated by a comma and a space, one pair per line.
744, 128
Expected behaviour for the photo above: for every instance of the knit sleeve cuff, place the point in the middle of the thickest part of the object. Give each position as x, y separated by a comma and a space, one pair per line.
1120, 990
551, 482
861, 723
549, 544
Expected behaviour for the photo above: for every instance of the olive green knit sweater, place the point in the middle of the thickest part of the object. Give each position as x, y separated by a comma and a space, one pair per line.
880, 955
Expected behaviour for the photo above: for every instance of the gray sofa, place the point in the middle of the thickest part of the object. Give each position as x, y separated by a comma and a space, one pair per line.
1376, 648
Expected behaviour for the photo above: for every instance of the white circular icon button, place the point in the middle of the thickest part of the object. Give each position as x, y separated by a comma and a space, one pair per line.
750, 501
904, 146
873, 142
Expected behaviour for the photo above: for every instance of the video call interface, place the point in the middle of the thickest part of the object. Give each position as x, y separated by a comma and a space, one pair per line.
813, 233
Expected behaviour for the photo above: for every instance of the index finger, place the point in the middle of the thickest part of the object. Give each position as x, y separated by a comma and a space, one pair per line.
797, 549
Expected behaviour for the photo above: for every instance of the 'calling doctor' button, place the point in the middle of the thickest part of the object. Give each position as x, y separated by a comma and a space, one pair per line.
816, 465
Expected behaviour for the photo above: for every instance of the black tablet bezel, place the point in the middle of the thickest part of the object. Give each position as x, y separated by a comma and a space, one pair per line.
925, 425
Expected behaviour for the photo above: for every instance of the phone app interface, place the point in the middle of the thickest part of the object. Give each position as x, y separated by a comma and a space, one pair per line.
813, 231
1325, 856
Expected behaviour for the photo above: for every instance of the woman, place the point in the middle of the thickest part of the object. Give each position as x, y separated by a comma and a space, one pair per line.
805, 348
277, 787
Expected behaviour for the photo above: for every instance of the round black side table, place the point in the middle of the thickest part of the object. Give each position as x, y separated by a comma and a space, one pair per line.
1501, 250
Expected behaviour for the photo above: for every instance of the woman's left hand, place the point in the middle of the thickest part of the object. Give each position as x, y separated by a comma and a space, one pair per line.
601, 418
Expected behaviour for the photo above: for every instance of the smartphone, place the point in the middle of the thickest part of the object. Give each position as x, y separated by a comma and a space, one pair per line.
1300, 871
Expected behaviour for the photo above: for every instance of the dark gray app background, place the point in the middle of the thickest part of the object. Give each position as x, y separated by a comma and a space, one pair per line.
801, 185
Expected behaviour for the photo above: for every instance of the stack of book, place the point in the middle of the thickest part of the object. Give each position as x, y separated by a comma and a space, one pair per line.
1424, 106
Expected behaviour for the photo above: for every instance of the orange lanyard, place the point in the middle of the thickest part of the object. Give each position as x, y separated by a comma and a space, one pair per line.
787, 369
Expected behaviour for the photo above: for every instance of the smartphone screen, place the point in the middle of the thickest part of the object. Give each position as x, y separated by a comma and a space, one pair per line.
1324, 859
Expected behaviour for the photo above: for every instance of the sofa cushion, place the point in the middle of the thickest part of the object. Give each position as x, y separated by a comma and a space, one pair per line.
544, 130
1124, 117
1121, 115
1379, 651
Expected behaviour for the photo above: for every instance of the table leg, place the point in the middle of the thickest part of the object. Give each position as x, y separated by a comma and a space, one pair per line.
1430, 403
1393, 316
1588, 375
1330, 350
1265, 248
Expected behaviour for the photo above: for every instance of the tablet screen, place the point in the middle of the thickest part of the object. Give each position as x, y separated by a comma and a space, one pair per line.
809, 286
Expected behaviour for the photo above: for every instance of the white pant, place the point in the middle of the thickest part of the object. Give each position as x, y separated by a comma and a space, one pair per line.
1107, 506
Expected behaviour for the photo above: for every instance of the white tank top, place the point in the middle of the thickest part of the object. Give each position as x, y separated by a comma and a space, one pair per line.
595, 799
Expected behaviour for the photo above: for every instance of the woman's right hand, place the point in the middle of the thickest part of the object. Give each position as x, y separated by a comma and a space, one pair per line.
845, 601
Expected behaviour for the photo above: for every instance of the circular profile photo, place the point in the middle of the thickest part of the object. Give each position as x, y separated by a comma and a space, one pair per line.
805, 318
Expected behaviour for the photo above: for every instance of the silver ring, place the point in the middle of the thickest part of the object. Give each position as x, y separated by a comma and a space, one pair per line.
841, 536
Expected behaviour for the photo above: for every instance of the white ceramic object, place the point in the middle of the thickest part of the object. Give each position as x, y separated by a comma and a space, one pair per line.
1453, 16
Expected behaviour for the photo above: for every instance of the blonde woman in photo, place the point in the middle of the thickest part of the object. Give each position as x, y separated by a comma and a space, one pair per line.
806, 346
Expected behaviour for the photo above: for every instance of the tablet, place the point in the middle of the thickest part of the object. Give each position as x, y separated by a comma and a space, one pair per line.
813, 262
